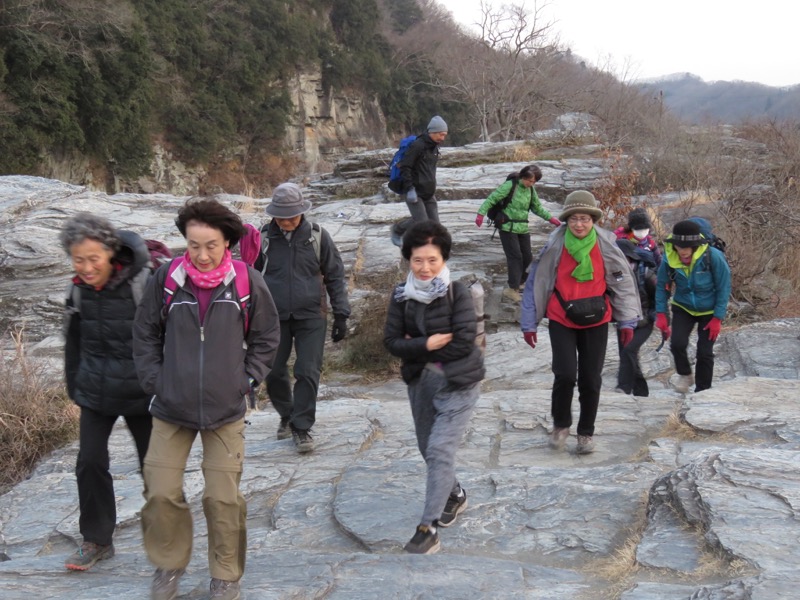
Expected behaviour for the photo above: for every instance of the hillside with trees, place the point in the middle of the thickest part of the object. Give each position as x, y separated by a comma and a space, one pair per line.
208, 77
696, 101
209, 80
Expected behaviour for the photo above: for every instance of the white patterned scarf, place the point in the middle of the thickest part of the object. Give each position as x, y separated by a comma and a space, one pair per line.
424, 292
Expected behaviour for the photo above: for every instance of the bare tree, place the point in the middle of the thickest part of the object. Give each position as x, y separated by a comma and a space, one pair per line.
494, 71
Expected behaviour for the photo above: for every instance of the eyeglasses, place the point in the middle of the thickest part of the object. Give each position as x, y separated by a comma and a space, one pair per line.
576, 220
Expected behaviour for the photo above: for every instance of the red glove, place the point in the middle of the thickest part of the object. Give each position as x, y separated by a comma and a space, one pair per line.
530, 338
661, 323
479, 220
554, 221
625, 336
714, 326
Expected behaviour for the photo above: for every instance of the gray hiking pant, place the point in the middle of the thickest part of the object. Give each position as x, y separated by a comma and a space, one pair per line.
421, 210
298, 404
441, 414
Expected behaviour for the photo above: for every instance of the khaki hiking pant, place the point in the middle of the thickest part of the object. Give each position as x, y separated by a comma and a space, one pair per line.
167, 518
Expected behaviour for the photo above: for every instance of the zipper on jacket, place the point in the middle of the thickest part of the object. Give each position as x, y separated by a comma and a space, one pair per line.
202, 357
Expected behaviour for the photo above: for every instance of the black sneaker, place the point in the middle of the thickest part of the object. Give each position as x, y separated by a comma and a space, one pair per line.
454, 507
284, 431
425, 541
303, 440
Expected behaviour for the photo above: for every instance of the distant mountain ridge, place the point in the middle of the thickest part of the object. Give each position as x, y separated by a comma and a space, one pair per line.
697, 101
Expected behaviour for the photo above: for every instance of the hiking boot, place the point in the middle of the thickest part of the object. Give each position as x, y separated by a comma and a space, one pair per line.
454, 507
425, 541
165, 584
88, 554
302, 440
512, 295
284, 431
225, 590
559, 437
682, 383
585, 444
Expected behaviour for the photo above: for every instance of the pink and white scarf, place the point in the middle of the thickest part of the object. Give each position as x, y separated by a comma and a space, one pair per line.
208, 280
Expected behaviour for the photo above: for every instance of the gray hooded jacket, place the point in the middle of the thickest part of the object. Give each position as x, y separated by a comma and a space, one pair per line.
621, 287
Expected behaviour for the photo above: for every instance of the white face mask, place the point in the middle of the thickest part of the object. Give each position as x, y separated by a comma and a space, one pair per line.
640, 234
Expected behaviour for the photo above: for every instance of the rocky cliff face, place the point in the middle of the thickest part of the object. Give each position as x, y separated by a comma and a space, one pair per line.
329, 123
326, 125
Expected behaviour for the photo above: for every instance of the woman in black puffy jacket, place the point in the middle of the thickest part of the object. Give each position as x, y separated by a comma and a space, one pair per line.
111, 269
431, 325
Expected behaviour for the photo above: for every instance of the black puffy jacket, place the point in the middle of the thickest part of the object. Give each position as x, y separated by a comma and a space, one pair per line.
98, 355
461, 359
418, 167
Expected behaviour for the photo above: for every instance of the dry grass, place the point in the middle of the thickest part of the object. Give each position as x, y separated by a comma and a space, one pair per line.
678, 429
36, 416
621, 566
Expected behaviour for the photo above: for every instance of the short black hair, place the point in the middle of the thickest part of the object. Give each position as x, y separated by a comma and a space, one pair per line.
424, 233
531, 171
214, 214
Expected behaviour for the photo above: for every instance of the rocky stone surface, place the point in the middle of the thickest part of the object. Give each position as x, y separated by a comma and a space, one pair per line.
690, 496
686, 511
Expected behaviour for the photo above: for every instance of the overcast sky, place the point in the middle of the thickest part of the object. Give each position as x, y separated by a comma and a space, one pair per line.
714, 39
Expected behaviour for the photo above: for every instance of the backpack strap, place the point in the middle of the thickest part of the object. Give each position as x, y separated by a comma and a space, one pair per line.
316, 241
170, 287
242, 284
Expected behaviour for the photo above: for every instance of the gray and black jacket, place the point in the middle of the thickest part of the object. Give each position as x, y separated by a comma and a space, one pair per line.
621, 286
297, 280
408, 327
98, 353
198, 376
418, 167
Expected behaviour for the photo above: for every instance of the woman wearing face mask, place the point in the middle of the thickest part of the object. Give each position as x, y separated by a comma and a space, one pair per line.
109, 264
431, 325
638, 231
699, 280
580, 282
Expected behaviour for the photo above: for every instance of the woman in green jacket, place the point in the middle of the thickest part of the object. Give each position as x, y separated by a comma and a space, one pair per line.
514, 233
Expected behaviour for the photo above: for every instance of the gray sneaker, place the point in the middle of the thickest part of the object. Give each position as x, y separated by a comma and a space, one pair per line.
683, 383
585, 444
87, 555
165, 584
559, 437
225, 590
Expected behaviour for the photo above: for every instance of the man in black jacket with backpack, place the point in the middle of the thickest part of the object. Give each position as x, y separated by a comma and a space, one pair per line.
418, 169
300, 263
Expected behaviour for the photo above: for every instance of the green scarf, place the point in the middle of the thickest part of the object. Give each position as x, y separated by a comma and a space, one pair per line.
579, 250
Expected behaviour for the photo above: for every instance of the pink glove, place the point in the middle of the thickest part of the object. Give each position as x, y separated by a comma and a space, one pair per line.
555, 222
625, 336
530, 338
713, 327
479, 220
661, 323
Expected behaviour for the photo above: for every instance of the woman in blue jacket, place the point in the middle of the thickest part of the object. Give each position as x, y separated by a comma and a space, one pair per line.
700, 281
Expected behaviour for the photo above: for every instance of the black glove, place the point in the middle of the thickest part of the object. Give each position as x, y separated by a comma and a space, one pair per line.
339, 330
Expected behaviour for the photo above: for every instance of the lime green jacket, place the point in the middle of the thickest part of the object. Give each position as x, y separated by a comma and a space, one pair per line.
524, 200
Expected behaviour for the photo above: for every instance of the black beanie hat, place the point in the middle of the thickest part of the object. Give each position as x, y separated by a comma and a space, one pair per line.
638, 219
686, 234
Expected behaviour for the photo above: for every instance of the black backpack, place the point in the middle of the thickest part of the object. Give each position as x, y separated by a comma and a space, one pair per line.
495, 214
